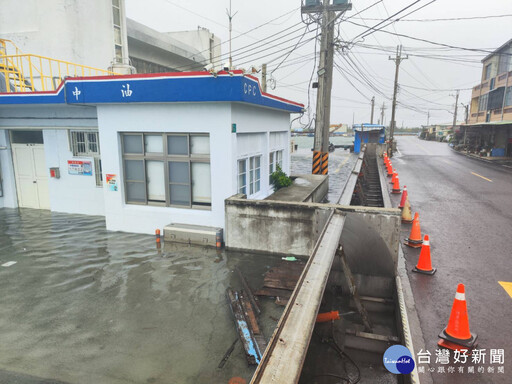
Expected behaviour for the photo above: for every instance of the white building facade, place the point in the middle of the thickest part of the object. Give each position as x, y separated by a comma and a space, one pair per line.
143, 150
96, 33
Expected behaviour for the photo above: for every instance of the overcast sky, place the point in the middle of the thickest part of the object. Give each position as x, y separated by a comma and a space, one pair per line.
427, 83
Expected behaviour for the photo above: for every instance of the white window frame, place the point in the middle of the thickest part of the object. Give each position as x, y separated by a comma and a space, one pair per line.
254, 181
75, 147
277, 159
242, 188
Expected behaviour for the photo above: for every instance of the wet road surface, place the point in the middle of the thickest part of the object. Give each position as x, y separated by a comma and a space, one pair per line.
84, 305
465, 206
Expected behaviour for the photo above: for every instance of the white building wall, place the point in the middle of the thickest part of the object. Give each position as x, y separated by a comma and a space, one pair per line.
9, 198
200, 40
274, 134
212, 118
70, 193
72, 30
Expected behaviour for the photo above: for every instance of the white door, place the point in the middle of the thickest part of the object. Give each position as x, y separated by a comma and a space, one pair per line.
31, 176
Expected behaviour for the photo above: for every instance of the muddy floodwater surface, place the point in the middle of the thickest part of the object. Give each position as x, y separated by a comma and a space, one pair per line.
80, 304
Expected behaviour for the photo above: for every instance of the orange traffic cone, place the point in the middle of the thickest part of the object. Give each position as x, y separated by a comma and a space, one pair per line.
405, 196
393, 176
396, 186
424, 263
406, 212
390, 169
414, 239
456, 335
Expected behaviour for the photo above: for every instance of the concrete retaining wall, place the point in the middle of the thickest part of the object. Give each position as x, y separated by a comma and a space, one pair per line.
293, 229
273, 226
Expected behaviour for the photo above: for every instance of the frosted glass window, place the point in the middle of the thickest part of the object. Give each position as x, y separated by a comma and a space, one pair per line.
177, 145
160, 169
135, 192
134, 170
132, 143
117, 36
117, 15
201, 187
153, 143
200, 145
180, 194
178, 172
155, 177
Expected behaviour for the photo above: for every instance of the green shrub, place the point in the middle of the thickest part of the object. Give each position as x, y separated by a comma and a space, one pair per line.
279, 179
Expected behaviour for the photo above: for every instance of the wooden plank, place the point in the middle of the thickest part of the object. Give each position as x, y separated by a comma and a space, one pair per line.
248, 291
285, 354
252, 352
274, 292
281, 302
353, 290
249, 313
280, 284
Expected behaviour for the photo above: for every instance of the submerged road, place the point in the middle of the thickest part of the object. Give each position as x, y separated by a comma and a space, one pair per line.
465, 206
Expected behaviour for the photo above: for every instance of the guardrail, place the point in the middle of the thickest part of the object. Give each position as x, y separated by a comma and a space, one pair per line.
35, 73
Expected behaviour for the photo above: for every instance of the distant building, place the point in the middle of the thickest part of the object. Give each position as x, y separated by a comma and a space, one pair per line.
368, 133
144, 151
489, 127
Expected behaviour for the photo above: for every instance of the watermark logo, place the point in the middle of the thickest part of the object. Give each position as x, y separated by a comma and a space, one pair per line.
398, 360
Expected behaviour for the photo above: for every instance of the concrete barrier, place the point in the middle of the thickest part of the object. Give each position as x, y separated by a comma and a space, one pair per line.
290, 228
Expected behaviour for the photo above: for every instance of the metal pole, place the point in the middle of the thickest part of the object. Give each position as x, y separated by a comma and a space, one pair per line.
327, 13
230, 17
373, 107
323, 101
264, 77
504, 96
455, 112
397, 61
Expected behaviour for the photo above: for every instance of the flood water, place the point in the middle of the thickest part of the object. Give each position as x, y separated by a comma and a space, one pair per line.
341, 162
84, 305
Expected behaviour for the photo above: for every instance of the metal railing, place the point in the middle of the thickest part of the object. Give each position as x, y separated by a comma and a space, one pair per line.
34, 73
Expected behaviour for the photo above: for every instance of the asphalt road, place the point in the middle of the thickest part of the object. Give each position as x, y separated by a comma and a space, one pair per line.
465, 206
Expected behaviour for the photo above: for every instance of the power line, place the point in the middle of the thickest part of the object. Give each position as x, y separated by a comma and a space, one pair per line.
373, 30
376, 25
433, 42
443, 19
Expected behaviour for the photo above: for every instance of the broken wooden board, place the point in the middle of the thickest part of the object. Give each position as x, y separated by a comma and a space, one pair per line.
274, 292
282, 277
252, 351
248, 291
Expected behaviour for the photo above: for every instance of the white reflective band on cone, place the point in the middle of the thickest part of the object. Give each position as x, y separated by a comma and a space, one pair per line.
426, 242
460, 296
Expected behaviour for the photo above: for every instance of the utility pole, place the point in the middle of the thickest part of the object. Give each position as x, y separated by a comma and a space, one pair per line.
230, 17
327, 13
428, 117
264, 77
455, 112
382, 109
373, 107
397, 59
466, 116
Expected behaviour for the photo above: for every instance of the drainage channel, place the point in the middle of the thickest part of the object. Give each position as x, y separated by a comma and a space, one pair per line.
352, 270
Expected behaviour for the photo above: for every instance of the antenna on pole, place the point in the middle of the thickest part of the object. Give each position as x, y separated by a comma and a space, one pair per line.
230, 17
